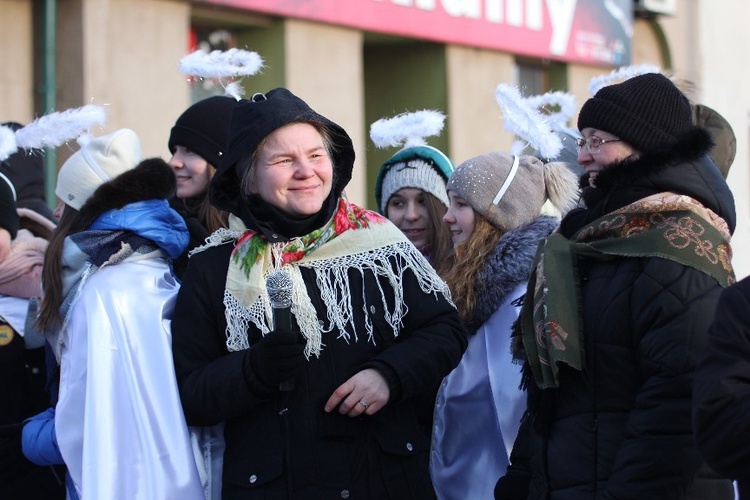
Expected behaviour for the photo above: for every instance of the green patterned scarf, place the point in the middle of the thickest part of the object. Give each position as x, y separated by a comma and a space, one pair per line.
665, 225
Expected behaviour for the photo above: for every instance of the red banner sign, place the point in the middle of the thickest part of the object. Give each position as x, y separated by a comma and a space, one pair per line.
588, 31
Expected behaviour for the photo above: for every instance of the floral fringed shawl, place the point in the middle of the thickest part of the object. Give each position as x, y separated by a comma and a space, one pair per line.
353, 238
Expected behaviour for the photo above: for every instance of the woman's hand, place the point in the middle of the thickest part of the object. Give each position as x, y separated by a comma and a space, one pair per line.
366, 392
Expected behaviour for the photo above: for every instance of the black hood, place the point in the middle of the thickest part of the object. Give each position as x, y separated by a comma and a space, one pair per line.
254, 119
685, 169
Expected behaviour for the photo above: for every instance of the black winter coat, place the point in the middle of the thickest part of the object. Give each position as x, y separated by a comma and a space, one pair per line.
621, 427
22, 395
329, 455
721, 404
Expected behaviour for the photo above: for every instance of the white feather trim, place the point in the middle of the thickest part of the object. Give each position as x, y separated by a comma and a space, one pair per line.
622, 73
55, 129
221, 64
565, 101
8, 144
527, 122
234, 89
407, 129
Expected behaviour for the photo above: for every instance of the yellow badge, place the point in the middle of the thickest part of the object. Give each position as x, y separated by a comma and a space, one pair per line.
6, 335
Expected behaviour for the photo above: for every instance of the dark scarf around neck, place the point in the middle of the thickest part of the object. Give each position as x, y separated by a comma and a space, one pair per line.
276, 225
665, 225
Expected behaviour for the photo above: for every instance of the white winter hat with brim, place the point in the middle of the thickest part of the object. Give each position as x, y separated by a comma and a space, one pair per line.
98, 161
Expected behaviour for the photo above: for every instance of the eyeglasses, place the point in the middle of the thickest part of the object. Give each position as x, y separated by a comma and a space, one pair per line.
593, 144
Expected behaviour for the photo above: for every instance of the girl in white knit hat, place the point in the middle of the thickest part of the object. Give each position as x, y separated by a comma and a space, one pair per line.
109, 291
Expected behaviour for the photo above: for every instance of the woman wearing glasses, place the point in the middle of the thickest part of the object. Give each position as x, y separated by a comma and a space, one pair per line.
617, 309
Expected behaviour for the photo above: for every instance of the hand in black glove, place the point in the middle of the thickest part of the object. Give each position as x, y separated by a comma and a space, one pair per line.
278, 357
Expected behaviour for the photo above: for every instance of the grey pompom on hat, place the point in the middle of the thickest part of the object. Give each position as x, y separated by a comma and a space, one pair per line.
98, 161
511, 190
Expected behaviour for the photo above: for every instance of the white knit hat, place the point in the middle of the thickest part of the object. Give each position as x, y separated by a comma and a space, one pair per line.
98, 161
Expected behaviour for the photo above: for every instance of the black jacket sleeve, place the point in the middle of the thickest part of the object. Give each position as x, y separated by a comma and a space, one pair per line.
721, 404
211, 380
514, 485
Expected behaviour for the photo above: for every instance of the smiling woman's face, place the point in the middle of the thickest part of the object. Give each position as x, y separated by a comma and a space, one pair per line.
293, 171
611, 150
192, 171
459, 218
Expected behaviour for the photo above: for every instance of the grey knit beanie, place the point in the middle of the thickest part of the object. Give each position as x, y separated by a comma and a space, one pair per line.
511, 190
420, 167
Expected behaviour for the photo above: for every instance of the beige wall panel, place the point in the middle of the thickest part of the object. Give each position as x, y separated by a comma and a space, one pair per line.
579, 78
646, 48
16, 59
324, 68
131, 53
682, 32
724, 39
476, 124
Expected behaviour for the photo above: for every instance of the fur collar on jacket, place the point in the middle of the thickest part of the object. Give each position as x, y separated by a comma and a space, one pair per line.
152, 179
508, 265
684, 169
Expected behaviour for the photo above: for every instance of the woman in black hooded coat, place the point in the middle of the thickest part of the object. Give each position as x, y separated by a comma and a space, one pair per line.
327, 406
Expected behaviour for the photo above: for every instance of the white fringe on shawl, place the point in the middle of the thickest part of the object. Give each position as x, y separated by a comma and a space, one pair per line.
381, 249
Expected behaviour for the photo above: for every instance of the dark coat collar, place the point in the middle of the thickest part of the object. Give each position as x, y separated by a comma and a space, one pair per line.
684, 168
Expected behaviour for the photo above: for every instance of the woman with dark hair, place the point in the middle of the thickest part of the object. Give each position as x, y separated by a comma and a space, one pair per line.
410, 187
198, 142
410, 191
321, 398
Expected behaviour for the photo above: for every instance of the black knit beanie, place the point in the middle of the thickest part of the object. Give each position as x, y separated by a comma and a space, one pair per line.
202, 128
252, 121
8, 213
647, 111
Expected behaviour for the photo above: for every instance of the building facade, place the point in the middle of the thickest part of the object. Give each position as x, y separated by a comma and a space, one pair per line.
360, 60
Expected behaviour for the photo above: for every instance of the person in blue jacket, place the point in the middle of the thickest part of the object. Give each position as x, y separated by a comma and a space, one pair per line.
109, 292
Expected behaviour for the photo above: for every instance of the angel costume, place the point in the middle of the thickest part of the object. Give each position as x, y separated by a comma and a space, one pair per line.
119, 422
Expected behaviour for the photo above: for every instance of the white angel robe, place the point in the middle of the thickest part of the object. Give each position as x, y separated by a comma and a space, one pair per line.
119, 421
478, 412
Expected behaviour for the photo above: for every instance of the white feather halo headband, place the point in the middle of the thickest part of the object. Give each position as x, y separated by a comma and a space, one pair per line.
223, 65
527, 122
564, 101
622, 73
407, 129
52, 130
